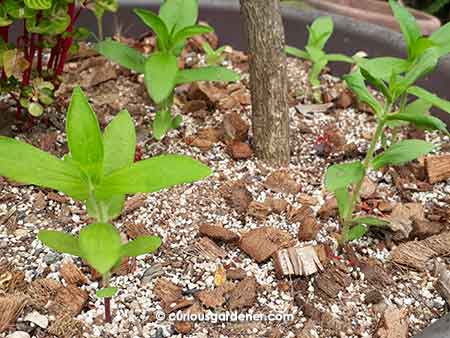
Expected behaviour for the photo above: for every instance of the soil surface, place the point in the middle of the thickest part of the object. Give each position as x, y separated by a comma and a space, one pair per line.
224, 237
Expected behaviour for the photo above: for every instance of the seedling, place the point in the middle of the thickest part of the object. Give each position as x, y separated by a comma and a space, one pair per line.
319, 33
395, 79
214, 57
175, 23
99, 171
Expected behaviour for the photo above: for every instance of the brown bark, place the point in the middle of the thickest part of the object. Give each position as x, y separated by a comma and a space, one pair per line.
268, 78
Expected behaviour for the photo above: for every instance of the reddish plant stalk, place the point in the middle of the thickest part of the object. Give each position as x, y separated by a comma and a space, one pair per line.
4, 34
54, 54
108, 318
30, 56
40, 54
67, 43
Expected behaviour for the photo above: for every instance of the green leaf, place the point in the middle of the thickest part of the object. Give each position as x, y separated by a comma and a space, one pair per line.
24, 163
219, 74
320, 31
153, 175
84, 136
161, 70
296, 52
383, 67
340, 176
60, 242
430, 98
106, 293
417, 113
122, 54
38, 4
377, 83
441, 38
343, 201
319, 61
119, 142
156, 24
339, 58
371, 221
100, 246
402, 152
111, 206
357, 232
424, 65
35, 109
142, 245
355, 81
178, 14
408, 25
189, 32
52, 24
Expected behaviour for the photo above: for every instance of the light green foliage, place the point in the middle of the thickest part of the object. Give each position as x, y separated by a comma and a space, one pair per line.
100, 171
214, 57
319, 33
176, 22
395, 79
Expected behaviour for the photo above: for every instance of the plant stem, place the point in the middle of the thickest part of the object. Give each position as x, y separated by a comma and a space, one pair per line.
67, 43
100, 27
356, 192
4, 34
105, 284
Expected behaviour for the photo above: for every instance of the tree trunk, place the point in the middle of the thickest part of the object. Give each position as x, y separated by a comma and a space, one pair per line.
268, 79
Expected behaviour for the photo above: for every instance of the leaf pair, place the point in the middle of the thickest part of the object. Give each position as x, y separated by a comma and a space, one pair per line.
100, 245
319, 33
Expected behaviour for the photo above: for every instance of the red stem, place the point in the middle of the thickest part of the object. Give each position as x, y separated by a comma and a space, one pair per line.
67, 43
30, 56
54, 54
40, 52
108, 318
4, 34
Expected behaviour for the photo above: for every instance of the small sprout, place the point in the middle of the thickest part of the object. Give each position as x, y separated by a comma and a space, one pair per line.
319, 33
214, 57
99, 171
176, 22
395, 79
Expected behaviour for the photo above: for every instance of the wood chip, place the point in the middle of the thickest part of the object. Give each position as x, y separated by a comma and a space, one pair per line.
262, 242
218, 232
167, 292
297, 261
214, 298
237, 196
71, 274
258, 210
133, 203
443, 281
70, 299
394, 324
331, 282
11, 308
64, 326
135, 230
438, 168
244, 294
417, 254
208, 249
276, 205
402, 218
281, 181
235, 127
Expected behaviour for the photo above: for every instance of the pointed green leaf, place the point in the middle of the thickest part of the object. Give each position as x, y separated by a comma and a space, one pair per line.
60, 242
106, 293
355, 81
219, 74
156, 24
408, 25
383, 67
162, 124
402, 152
441, 38
371, 221
122, 54
153, 175
119, 141
343, 201
142, 245
83, 134
161, 70
418, 114
296, 52
100, 246
189, 32
430, 98
424, 65
341, 176
178, 14
320, 31
339, 58
26, 164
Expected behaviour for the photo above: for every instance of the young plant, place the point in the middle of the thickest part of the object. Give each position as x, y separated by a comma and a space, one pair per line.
214, 57
99, 171
395, 79
319, 33
175, 23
